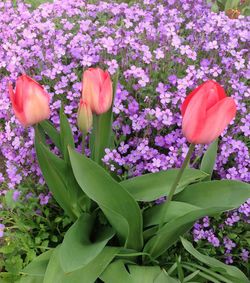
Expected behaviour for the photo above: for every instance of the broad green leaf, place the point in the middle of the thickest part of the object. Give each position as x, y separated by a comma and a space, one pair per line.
225, 193
77, 250
171, 231
52, 168
116, 270
52, 133
34, 272
151, 216
208, 160
66, 135
117, 204
152, 186
144, 274
230, 272
101, 136
87, 274
163, 277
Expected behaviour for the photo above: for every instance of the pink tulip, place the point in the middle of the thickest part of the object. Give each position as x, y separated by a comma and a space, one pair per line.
206, 113
97, 90
84, 117
30, 102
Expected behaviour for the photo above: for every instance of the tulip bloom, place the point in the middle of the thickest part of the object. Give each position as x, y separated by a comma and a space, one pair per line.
206, 112
84, 117
97, 90
30, 102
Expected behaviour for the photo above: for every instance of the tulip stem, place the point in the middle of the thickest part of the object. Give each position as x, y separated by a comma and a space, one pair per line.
174, 185
83, 142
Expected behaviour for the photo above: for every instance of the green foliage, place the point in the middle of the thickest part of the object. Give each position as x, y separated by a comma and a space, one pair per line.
116, 203
30, 229
152, 186
230, 272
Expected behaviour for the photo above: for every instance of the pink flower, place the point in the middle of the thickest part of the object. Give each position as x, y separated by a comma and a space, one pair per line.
30, 102
206, 112
97, 90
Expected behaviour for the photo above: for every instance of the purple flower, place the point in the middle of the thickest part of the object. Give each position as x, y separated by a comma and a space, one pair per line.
2, 227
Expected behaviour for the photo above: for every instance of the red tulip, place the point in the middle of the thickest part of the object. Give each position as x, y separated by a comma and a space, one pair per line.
97, 90
84, 117
30, 102
206, 112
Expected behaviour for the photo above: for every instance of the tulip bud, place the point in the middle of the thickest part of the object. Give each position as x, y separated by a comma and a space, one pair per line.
97, 90
84, 117
30, 102
206, 113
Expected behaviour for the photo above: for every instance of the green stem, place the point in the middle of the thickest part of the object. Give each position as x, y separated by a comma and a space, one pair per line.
97, 138
174, 185
83, 142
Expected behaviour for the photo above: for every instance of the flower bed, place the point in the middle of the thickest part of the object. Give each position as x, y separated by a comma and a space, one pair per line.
163, 51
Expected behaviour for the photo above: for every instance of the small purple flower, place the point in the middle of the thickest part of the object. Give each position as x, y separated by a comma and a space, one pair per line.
2, 227
16, 195
244, 255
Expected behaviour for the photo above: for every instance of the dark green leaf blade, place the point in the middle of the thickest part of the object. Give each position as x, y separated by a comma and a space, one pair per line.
66, 135
231, 272
34, 272
208, 160
52, 168
77, 250
117, 204
226, 193
152, 186
171, 231
52, 133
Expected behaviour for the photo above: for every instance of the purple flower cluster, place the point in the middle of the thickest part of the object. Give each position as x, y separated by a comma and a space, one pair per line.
163, 50
218, 234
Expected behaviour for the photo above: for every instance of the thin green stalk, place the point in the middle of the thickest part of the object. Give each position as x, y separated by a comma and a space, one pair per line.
83, 142
216, 275
174, 185
202, 274
97, 138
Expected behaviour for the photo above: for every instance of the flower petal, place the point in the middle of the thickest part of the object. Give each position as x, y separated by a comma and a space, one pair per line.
217, 119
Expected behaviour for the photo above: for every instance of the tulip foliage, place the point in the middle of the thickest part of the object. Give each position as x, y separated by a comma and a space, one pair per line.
117, 234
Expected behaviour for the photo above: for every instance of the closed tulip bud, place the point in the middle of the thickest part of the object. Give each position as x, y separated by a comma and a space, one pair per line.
97, 90
206, 113
84, 117
30, 101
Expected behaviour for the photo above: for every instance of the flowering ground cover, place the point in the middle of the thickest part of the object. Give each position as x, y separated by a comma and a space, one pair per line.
163, 50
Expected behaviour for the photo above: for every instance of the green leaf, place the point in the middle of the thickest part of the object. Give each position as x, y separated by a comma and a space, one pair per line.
134, 274
171, 231
152, 186
163, 277
225, 193
116, 203
52, 168
116, 270
230, 272
88, 273
77, 250
34, 272
66, 135
151, 216
52, 133
208, 160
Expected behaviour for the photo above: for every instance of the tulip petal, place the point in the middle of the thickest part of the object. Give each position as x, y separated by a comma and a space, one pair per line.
214, 91
194, 117
18, 109
106, 96
217, 119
